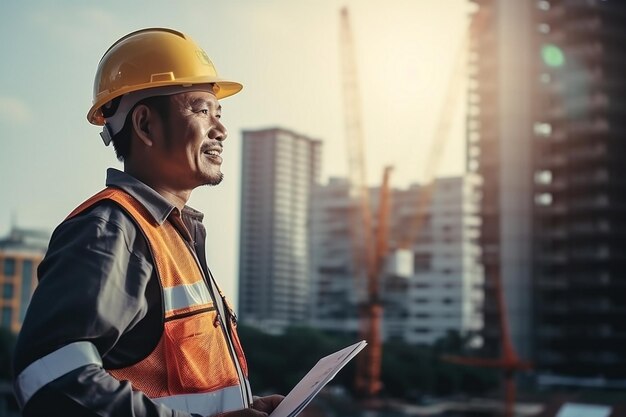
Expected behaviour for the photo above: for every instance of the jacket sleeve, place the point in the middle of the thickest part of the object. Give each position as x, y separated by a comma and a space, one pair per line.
92, 289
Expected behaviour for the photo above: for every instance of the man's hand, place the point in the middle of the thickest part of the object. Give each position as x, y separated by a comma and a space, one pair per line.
261, 407
267, 404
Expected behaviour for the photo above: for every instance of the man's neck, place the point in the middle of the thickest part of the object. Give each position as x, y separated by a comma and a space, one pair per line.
177, 197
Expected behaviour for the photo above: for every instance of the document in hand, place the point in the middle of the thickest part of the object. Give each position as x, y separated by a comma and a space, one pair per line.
308, 387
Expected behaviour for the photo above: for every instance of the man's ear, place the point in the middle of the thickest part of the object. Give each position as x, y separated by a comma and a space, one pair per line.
142, 121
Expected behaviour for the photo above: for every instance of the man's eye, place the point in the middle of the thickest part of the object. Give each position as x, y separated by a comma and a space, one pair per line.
204, 111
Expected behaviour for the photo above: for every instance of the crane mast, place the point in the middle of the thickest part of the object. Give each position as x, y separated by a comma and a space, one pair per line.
364, 246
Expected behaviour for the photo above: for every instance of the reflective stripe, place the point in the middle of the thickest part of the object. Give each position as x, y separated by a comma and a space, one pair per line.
206, 404
52, 366
187, 295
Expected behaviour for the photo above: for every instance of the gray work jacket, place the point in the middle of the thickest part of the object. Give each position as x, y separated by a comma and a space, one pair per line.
97, 283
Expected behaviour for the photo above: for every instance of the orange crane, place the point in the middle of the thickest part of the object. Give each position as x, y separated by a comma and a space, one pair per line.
367, 255
508, 361
364, 247
368, 381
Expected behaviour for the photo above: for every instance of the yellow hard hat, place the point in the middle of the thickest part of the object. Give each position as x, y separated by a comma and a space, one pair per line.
149, 58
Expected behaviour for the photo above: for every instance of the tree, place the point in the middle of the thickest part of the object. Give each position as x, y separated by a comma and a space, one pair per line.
278, 362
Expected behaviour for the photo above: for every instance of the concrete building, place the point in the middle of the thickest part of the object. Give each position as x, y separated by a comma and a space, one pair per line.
336, 284
443, 294
20, 254
545, 134
279, 169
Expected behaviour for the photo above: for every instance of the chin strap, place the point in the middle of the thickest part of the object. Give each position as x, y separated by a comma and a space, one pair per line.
106, 134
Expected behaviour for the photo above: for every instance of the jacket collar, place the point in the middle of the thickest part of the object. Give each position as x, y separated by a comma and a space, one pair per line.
158, 207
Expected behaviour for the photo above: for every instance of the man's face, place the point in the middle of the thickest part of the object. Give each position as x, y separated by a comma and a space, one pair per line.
192, 140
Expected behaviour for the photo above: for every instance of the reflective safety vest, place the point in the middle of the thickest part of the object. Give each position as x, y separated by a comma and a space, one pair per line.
198, 365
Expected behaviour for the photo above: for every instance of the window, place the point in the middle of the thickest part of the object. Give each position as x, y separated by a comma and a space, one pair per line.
543, 177
9, 267
7, 291
543, 28
27, 280
543, 199
543, 129
7, 317
543, 5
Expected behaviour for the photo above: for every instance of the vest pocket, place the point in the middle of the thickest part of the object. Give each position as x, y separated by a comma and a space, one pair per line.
196, 354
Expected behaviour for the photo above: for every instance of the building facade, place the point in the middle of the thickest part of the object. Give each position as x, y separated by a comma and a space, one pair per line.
443, 291
336, 284
579, 192
279, 169
20, 254
545, 134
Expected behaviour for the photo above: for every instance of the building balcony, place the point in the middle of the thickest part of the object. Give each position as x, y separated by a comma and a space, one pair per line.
597, 202
552, 209
552, 186
553, 161
549, 233
553, 258
553, 283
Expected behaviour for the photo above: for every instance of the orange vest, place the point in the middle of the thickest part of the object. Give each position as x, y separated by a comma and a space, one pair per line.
198, 359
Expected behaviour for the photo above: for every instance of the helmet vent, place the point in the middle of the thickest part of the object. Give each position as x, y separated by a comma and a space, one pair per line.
163, 76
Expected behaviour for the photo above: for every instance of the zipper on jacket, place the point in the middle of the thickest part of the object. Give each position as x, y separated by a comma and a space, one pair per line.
224, 322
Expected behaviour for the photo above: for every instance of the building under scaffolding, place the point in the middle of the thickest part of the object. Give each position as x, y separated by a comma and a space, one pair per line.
546, 135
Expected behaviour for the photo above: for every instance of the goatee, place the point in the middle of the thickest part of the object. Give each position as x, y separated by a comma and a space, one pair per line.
215, 180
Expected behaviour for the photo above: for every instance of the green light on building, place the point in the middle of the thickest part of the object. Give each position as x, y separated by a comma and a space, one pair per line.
552, 56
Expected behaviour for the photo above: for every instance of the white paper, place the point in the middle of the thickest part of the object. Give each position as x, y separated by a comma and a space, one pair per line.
308, 387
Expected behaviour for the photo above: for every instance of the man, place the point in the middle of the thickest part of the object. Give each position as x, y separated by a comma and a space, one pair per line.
127, 319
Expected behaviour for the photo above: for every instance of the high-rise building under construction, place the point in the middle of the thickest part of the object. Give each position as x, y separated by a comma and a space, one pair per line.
546, 127
279, 169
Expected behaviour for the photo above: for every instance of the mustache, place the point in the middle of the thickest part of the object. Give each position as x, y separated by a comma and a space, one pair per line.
207, 146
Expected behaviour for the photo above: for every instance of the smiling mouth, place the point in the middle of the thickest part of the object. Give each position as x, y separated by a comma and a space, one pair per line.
214, 155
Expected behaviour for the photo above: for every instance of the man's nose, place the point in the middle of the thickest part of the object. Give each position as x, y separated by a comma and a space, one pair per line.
219, 131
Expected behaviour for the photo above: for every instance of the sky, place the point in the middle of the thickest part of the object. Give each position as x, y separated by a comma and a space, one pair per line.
284, 52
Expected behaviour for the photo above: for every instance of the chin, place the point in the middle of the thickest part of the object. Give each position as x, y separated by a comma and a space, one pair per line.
214, 179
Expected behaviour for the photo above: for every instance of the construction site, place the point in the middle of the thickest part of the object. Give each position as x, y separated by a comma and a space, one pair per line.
494, 292
540, 85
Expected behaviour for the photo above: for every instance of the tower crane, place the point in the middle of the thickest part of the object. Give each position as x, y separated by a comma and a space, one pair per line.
366, 262
370, 253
